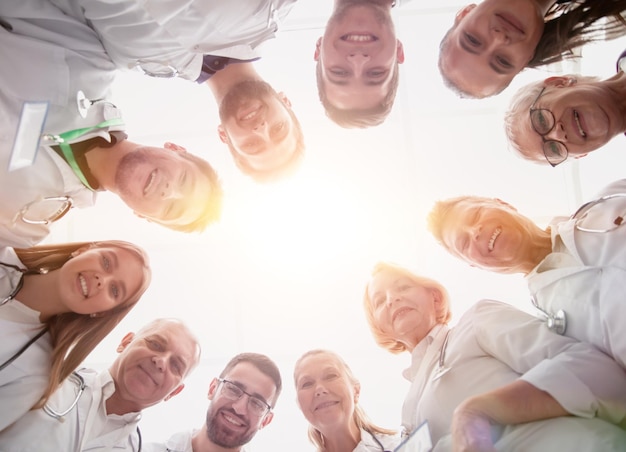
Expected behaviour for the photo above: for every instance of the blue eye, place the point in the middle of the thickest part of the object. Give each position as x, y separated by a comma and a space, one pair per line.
115, 291
106, 264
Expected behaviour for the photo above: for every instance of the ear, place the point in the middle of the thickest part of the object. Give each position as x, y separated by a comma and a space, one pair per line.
284, 99
267, 419
318, 45
400, 52
213, 388
221, 132
460, 15
179, 388
174, 147
125, 341
560, 81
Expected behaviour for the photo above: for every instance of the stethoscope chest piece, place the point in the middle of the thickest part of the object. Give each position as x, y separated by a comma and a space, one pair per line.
555, 322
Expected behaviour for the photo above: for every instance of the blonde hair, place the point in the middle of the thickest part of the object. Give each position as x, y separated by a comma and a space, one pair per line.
73, 336
384, 339
359, 417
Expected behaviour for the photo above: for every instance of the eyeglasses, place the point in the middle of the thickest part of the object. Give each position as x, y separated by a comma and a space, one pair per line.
543, 122
231, 391
78, 384
45, 210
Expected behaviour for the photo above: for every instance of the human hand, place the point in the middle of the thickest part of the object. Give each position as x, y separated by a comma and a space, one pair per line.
471, 429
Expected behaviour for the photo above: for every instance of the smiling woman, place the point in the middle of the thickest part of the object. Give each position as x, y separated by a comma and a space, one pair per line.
63, 300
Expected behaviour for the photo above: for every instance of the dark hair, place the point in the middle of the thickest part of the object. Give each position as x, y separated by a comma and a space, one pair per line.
213, 205
277, 172
358, 118
574, 23
261, 362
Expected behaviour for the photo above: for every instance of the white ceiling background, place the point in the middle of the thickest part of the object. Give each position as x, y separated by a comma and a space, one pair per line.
284, 270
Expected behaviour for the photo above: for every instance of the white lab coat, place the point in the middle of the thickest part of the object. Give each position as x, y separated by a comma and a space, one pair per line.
585, 275
23, 381
178, 442
86, 428
177, 33
48, 64
495, 344
368, 444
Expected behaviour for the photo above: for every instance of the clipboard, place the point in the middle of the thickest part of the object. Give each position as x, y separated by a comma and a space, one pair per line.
418, 440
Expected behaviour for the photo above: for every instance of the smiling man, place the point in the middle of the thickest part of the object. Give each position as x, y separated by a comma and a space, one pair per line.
566, 117
62, 141
149, 369
357, 63
242, 399
257, 124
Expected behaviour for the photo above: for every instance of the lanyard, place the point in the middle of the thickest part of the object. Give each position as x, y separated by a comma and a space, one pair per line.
63, 138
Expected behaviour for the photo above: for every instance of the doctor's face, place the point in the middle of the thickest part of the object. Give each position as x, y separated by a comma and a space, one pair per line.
259, 126
401, 308
232, 423
490, 43
98, 279
357, 56
488, 234
163, 185
325, 393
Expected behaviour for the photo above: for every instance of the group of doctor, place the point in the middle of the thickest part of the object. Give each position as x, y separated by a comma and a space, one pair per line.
498, 380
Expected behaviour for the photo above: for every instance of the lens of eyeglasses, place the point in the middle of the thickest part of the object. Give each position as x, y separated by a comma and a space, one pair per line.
606, 215
233, 392
46, 210
542, 121
555, 152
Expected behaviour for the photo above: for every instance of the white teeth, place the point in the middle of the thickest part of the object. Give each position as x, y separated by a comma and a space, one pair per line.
232, 420
493, 238
250, 115
580, 129
83, 285
358, 38
150, 181
324, 405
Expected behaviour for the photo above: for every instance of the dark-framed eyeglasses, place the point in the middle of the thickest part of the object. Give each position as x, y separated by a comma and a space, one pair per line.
231, 391
542, 121
45, 210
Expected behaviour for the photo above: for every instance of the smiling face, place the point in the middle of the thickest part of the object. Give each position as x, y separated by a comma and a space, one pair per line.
358, 54
152, 364
96, 280
489, 44
162, 185
258, 125
401, 308
326, 394
586, 116
230, 423
488, 234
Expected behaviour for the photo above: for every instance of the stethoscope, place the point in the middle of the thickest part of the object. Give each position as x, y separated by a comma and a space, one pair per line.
80, 381
382, 448
581, 214
555, 322
17, 287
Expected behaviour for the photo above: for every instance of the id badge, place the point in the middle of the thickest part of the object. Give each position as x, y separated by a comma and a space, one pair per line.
28, 135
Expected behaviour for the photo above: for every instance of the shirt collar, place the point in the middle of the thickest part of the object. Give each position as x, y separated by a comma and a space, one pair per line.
419, 352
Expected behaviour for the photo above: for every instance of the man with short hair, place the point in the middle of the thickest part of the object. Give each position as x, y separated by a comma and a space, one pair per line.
566, 117
242, 399
357, 63
213, 42
62, 140
149, 369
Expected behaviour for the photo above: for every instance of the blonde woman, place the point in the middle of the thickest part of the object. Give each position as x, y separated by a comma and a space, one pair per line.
328, 395
57, 302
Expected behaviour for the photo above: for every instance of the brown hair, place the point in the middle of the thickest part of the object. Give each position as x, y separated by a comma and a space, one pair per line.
73, 336
361, 419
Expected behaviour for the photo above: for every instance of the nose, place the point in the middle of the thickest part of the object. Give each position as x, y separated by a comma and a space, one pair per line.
392, 296
557, 133
358, 59
240, 405
320, 389
262, 129
169, 191
160, 362
500, 36
102, 279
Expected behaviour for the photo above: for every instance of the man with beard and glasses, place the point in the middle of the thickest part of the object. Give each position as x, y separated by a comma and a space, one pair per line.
212, 42
242, 399
62, 141
357, 63
150, 368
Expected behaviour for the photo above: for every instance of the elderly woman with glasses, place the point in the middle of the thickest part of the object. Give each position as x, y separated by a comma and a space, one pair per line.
328, 395
497, 380
566, 116
575, 269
